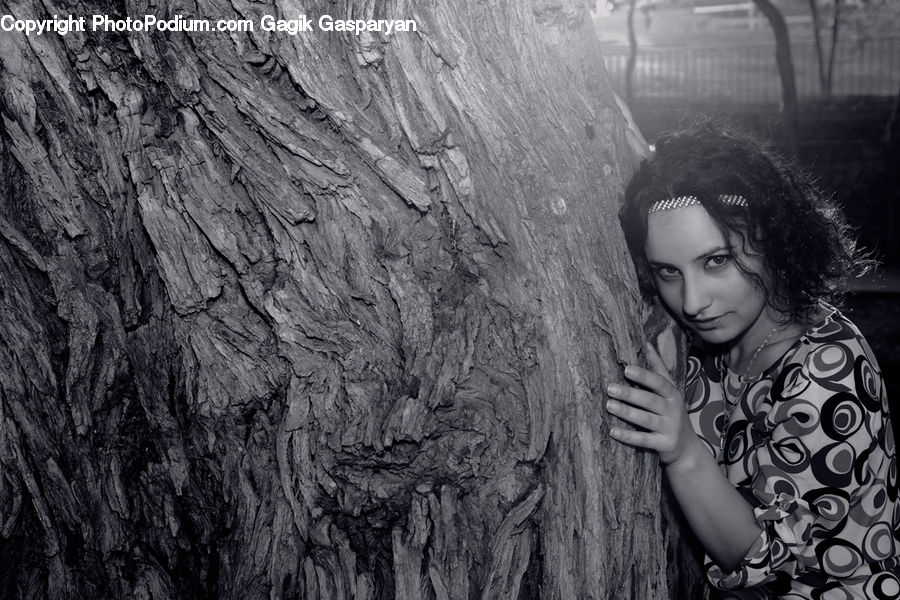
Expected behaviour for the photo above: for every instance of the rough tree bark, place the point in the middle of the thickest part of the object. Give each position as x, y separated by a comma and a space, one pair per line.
320, 316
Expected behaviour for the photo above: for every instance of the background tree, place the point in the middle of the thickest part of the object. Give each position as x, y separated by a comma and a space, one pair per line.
318, 316
826, 65
789, 103
632, 53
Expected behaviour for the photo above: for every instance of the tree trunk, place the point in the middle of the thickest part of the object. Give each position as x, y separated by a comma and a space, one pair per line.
826, 72
820, 51
321, 316
632, 53
835, 29
789, 105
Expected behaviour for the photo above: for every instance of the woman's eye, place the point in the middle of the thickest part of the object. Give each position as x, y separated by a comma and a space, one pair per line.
717, 261
667, 273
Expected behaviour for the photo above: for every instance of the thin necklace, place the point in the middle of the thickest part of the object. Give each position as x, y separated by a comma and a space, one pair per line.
729, 404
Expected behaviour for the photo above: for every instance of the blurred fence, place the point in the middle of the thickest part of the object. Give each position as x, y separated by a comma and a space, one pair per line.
748, 73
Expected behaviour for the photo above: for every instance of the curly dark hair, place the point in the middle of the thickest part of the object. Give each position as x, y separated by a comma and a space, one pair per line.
807, 249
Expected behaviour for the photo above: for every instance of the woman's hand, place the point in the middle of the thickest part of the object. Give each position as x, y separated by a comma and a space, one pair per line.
720, 516
657, 407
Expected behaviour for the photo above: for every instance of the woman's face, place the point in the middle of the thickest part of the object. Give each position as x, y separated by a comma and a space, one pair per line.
697, 278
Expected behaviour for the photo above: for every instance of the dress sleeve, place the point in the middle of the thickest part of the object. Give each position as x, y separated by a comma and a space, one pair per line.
817, 468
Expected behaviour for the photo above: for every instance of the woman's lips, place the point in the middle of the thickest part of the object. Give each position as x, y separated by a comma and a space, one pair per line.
706, 324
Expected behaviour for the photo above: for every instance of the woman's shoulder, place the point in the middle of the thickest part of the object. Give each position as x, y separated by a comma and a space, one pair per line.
831, 357
829, 337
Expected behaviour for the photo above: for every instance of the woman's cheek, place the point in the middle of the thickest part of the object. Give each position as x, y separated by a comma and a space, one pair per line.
670, 294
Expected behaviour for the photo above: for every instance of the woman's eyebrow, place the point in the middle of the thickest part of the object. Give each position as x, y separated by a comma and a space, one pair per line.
715, 250
656, 263
704, 255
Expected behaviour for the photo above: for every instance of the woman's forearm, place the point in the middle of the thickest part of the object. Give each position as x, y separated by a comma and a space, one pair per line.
719, 516
717, 513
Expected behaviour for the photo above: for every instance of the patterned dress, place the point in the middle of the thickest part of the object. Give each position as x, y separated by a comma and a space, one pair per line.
809, 444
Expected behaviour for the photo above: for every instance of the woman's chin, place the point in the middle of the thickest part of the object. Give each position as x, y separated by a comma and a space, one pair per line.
713, 336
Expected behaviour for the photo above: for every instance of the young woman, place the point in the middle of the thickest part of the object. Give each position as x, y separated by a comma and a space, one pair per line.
780, 451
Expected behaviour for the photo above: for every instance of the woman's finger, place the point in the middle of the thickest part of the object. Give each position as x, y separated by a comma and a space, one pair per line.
652, 381
634, 438
640, 398
656, 362
635, 416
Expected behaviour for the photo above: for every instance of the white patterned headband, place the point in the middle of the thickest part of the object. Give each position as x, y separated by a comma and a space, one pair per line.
682, 201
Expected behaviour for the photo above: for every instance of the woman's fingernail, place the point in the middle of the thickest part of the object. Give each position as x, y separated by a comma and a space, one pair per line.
613, 389
612, 405
630, 371
614, 433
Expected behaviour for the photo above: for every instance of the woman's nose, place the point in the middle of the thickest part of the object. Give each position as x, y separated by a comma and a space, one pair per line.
695, 297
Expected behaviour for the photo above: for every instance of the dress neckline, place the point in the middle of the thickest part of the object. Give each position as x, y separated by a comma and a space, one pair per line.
829, 313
